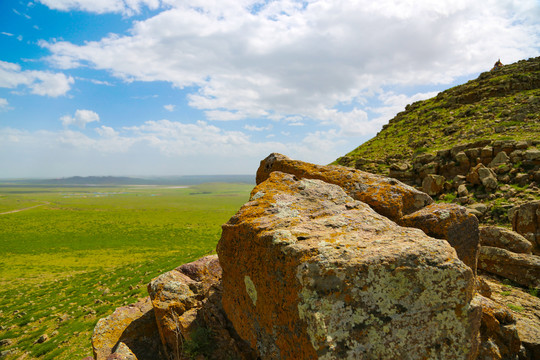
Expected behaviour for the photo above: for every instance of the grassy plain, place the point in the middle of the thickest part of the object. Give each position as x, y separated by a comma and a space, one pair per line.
72, 255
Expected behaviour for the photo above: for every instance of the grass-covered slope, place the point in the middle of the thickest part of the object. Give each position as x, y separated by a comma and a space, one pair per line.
498, 105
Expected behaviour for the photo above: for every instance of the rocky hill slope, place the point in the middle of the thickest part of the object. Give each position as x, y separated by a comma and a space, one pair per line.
493, 120
329, 262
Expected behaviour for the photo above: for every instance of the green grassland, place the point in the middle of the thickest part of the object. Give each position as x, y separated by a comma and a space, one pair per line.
72, 255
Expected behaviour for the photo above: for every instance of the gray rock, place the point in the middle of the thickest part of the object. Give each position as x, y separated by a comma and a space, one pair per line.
505, 239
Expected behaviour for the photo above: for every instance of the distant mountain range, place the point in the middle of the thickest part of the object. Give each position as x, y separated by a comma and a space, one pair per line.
122, 180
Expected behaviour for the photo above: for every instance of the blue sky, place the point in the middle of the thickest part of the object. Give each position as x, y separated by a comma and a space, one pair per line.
167, 87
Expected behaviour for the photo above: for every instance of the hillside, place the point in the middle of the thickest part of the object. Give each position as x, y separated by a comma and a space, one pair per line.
498, 111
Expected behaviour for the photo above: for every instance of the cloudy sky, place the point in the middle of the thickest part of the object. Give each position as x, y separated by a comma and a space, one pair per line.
178, 87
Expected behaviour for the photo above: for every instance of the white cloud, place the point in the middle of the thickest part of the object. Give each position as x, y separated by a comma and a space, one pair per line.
289, 58
257, 128
169, 107
126, 7
81, 118
3, 104
39, 82
6, 33
161, 147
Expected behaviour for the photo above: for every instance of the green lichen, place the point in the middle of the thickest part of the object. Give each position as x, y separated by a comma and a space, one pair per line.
251, 290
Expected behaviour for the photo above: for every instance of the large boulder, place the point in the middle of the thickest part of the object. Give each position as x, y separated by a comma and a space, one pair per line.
129, 329
503, 238
451, 222
387, 196
309, 272
526, 221
523, 269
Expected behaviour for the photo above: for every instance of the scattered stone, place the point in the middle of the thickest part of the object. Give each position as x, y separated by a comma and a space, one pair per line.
433, 184
524, 269
505, 239
309, 272
6, 342
462, 190
42, 339
500, 159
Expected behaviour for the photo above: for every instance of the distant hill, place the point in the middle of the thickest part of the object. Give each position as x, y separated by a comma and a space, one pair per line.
121, 180
460, 128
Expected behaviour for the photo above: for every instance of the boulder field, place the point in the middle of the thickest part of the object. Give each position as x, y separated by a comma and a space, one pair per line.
327, 262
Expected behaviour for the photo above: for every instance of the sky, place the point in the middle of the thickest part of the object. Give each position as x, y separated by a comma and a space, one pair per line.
185, 87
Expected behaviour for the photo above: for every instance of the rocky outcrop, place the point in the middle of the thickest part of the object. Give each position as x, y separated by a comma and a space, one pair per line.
129, 329
333, 263
308, 272
524, 269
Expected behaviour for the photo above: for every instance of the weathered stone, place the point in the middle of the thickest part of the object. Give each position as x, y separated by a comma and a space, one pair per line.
308, 272
478, 208
500, 159
134, 325
462, 158
532, 155
524, 269
462, 190
521, 179
451, 222
188, 298
386, 196
487, 178
505, 239
499, 335
525, 220
433, 184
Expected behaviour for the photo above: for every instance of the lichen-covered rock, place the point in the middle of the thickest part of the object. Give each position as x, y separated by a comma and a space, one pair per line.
499, 335
524, 269
526, 221
503, 238
188, 298
433, 184
451, 222
308, 272
134, 326
387, 196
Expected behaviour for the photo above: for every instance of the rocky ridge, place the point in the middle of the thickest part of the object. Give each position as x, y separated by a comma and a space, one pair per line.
335, 263
476, 144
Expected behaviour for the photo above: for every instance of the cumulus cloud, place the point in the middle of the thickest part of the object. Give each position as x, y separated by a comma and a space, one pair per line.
80, 119
284, 58
39, 82
169, 107
126, 7
3, 104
